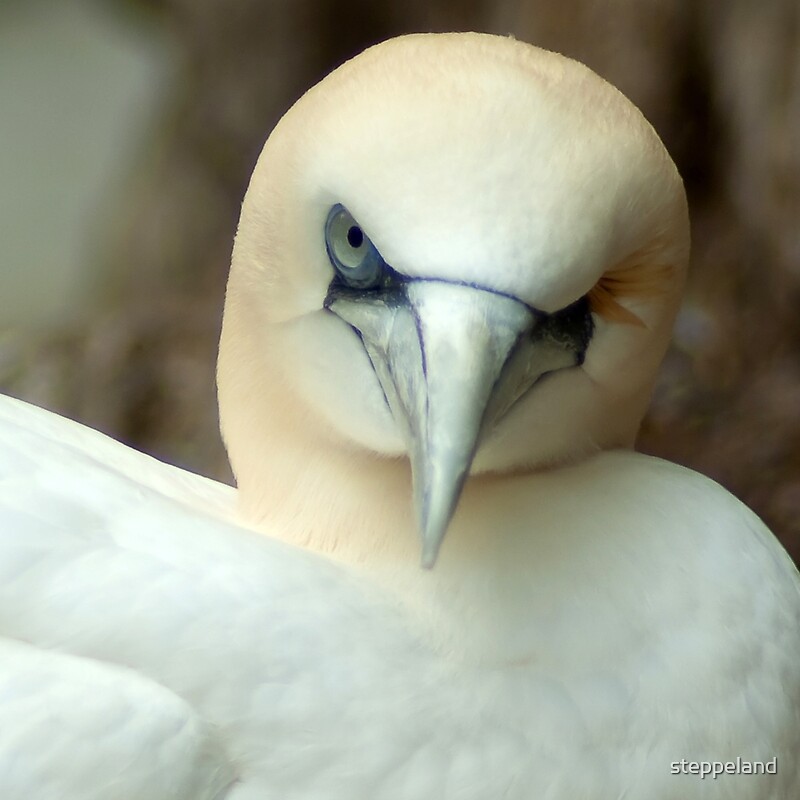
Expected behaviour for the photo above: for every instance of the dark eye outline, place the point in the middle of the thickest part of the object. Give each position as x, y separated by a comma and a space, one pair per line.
371, 270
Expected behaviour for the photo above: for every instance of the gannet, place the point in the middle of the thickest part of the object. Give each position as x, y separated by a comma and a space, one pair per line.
444, 573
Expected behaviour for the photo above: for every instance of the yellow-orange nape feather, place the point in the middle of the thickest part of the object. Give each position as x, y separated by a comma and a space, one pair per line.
637, 276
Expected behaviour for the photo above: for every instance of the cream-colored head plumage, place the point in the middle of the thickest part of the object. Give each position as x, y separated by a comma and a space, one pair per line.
471, 161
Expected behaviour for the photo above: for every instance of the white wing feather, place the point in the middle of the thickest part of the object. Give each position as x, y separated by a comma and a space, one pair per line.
154, 646
75, 729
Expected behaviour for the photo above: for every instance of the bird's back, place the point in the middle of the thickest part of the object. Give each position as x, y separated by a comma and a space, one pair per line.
287, 674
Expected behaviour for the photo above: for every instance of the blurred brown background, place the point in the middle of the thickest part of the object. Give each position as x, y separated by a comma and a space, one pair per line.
126, 341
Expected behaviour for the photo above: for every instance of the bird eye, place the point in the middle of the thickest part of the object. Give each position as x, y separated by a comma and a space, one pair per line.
354, 257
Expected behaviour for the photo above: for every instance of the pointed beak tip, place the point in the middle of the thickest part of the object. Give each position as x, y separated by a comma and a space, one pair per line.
431, 544
428, 560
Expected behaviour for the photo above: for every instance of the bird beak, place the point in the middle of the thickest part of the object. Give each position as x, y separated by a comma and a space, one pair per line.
452, 360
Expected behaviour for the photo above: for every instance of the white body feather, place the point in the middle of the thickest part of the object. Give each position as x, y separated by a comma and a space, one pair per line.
154, 649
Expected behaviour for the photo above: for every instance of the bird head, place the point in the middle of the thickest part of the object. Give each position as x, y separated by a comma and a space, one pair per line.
459, 248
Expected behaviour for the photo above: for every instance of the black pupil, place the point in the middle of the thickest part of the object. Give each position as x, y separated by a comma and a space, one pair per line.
355, 237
